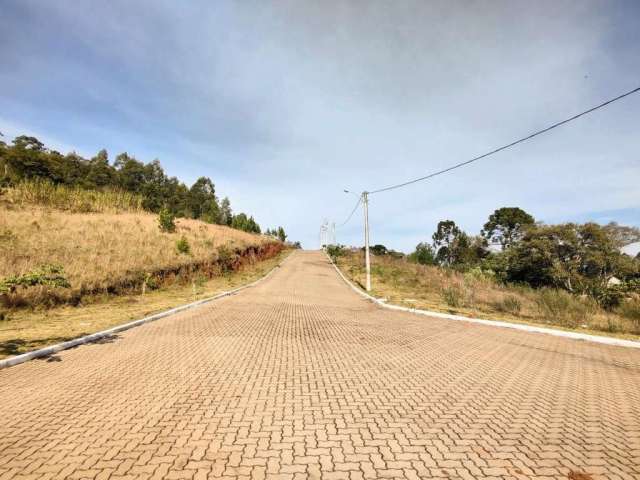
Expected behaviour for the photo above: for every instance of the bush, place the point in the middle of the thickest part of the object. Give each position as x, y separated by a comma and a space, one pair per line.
631, 309
166, 221
182, 245
453, 296
225, 258
567, 309
509, 304
335, 251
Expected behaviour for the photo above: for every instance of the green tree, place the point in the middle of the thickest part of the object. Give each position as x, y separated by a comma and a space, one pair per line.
577, 258
101, 174
202, 200
378, 249
424, 254
622, 235
445, 236
506, 225
226, 215
282, 236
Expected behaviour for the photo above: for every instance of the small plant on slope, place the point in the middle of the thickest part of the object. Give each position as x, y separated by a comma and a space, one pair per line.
166, 221
183, 246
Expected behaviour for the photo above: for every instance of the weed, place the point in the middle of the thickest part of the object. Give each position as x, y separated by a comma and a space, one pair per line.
48, 275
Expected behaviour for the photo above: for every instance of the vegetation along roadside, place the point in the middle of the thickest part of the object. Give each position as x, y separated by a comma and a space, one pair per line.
86, 244
570, 276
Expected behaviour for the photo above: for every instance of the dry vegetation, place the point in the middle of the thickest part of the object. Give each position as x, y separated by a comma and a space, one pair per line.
475, 294
70, 198
107, 245
106, 252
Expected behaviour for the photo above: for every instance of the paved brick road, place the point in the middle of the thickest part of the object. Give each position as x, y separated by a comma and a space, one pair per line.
301, 378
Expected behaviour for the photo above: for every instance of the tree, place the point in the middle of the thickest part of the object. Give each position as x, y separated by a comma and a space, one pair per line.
247, 224
505, 226
378, 249
226, 215
424, 254
622, 235
28, 159
443, 239
281, 235
100, 172
202, 200
577, 258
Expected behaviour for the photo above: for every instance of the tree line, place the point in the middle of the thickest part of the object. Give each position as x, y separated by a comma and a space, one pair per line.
579, 258
28, 159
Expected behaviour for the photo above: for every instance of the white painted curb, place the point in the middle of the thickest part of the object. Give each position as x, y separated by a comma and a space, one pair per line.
618, 342
46, 351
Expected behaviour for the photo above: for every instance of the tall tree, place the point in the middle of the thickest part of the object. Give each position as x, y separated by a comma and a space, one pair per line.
202, 200
444, 237
505, 226
226, 214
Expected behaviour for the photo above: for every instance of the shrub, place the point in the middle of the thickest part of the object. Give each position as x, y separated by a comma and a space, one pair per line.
567, 309
166, 221
335, 251
225, 258
453, 296
182, 245
631, 309
509, 304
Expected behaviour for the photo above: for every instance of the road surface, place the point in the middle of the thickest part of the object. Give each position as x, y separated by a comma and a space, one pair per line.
299, 377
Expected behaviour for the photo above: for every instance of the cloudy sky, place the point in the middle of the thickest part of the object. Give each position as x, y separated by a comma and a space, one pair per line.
285, 104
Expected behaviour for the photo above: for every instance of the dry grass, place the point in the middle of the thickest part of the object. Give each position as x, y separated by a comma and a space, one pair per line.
474, 294
28, 329
100, 250
68, 198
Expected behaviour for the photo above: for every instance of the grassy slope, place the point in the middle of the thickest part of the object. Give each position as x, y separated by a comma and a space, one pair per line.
108, 247
433, 288
98, 250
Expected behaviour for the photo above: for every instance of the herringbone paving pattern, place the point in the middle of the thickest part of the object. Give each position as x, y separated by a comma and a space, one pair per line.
301, 378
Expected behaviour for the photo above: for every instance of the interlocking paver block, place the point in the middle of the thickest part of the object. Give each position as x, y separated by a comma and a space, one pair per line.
299, 377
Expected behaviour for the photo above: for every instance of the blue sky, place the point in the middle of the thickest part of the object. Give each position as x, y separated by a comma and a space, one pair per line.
284, 104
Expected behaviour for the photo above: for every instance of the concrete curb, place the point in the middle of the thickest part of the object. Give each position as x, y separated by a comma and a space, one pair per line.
618, 342
46, 351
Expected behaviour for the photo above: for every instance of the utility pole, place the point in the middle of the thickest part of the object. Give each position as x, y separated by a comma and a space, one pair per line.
365, 203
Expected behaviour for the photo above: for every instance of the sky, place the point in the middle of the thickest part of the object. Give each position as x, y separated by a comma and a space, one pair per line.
286, 104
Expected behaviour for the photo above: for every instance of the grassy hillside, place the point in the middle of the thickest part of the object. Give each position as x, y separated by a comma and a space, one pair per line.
108, 252
479, 295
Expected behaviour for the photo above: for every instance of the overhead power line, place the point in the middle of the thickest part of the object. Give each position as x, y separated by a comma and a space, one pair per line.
504, 147
351, 214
